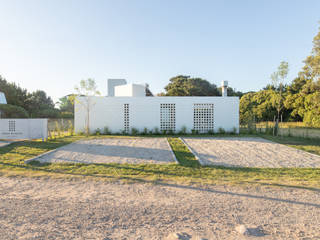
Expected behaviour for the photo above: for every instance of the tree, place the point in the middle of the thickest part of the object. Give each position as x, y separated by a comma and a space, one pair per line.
66, 103
15, 95
86, 90
186, 86
303, 97
38, 104
278, 79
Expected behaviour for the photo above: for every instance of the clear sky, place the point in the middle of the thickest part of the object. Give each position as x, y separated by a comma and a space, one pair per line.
52, 45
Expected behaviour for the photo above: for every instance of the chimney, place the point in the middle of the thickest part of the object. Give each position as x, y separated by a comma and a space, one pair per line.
224, 88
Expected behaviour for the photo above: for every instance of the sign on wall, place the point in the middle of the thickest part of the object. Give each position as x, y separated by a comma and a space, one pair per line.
23, 128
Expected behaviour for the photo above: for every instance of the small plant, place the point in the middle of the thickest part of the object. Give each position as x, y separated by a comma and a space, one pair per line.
70, 128
156, 131
194, 132
124, 132
134, 131
183, 130
234, 131
145, 131
210, 132
81, 133
221, 130
164, 132
97, 132
150, 132
58, 128
106, 131
170, 132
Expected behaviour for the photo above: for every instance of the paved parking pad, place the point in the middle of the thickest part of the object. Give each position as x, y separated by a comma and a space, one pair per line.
113, 150
249, 152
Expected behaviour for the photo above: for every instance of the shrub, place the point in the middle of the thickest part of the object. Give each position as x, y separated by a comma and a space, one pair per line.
66, 115
124, 132
12, 111
210, 132
57, 128
70, 128
183, 130
221, 130
134, 131
156, 131
170, 132
164, 132
145, 131
234, 130
194, 132
97, 132
106, 131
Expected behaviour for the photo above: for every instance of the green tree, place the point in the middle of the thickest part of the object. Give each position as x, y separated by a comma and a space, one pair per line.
85, 91
303, 96
278, 79
38, 104
66, 106
15, 95
186, 86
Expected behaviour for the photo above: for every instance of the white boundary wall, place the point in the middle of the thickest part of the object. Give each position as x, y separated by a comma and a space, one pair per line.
145, 112
23, 128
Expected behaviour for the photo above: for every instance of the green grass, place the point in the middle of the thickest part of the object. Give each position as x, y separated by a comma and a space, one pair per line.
188, 170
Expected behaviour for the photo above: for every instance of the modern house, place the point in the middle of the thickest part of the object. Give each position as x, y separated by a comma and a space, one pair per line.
2, 98
127, 107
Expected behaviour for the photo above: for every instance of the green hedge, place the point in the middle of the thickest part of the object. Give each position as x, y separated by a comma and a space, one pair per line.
12, 111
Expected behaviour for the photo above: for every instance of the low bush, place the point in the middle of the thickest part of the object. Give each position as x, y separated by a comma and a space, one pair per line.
134, 131
106, 131
183, 130
194, 132
221, 130
145, 131
97, 132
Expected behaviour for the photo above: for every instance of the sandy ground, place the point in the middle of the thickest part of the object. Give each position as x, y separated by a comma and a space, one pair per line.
79, 209
249, 152
113, 150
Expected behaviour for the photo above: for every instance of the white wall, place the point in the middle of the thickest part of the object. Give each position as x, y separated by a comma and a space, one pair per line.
145, 112
112, 83
130, 90
23, 128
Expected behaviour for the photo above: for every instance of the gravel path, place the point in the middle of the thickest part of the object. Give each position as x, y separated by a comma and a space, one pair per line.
113, 150
249, 152
79, 209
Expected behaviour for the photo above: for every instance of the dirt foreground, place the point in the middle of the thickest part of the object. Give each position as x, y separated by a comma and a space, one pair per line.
86, 209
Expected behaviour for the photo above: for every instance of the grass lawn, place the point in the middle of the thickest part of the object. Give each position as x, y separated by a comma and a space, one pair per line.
12, 159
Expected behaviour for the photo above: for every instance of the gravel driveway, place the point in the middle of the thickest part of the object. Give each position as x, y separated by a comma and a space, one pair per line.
113, 150
78, 209
249, 152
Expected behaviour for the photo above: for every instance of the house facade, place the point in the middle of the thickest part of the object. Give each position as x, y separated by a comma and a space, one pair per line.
130, 108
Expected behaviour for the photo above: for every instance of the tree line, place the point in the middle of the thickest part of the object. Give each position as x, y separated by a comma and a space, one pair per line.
24, 104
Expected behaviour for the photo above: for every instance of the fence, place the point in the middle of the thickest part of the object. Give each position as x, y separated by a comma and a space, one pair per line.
60, 127
284, 130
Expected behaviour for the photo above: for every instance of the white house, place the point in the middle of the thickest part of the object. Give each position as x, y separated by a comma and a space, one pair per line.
127, 107
2, 98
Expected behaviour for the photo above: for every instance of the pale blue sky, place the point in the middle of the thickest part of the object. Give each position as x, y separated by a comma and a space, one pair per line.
52, 45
